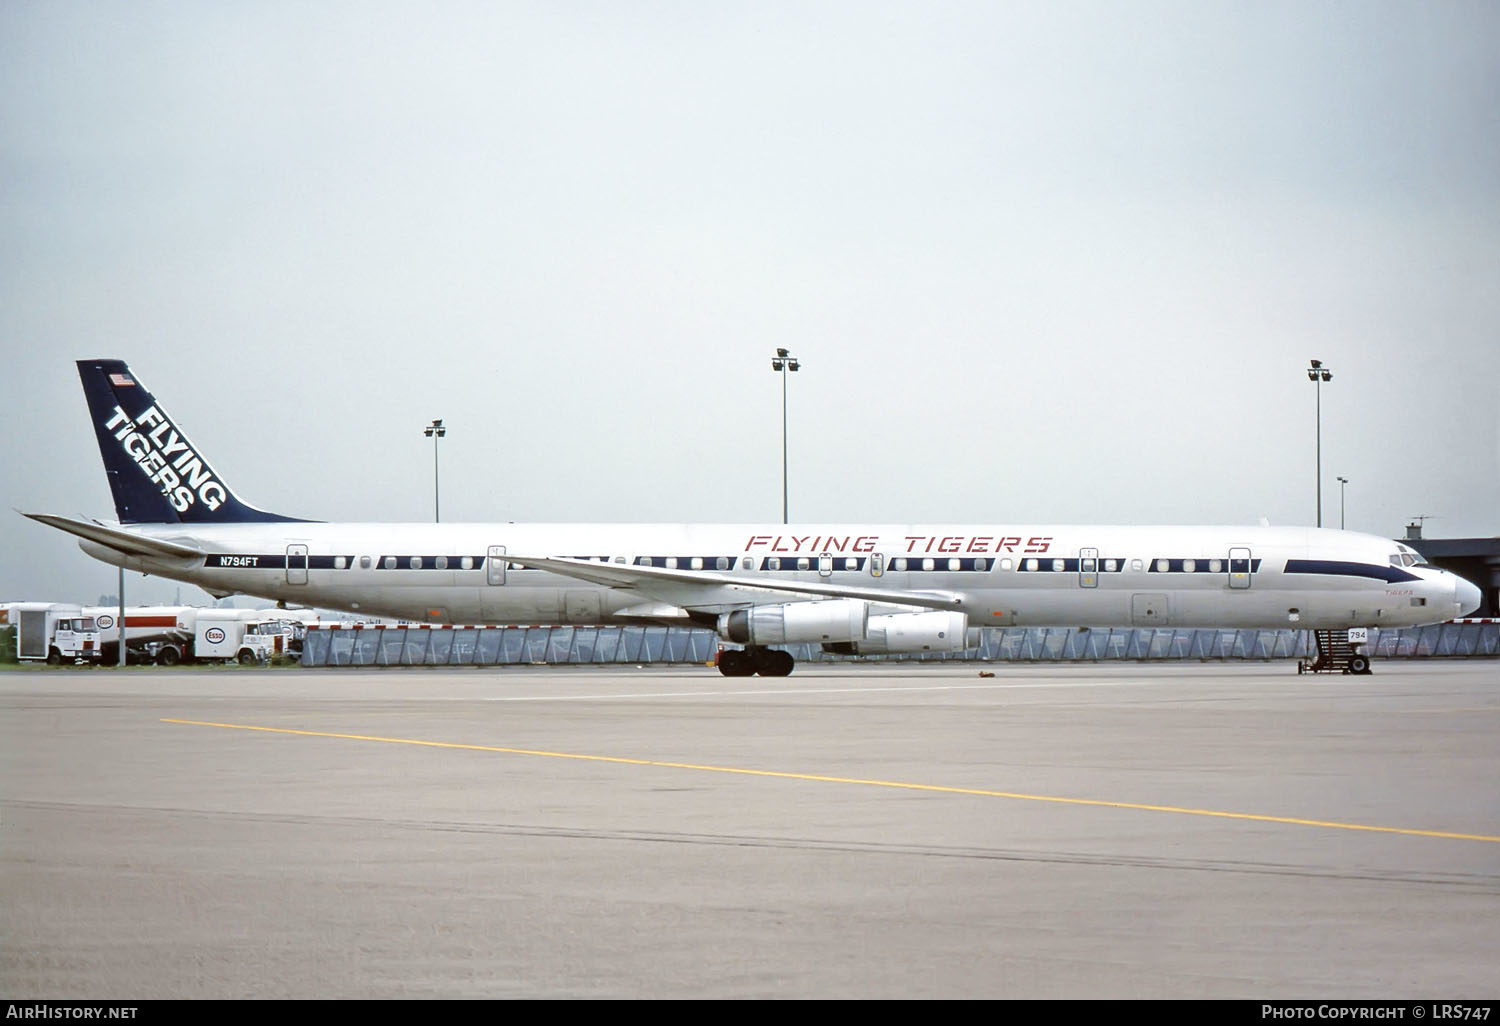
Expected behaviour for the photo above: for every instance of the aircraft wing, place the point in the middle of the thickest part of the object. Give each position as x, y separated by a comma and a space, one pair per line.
118, 539
696, 589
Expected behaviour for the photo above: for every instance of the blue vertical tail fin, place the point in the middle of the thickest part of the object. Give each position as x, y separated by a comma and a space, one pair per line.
155, 474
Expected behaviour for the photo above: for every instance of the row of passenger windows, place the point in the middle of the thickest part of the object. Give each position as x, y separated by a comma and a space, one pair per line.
899, 564
413, 562
854, 564
1155, 566
691, 562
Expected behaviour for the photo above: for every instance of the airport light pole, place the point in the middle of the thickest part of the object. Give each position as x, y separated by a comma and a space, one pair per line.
121, 620
434, 431
1342, 481
1317, 374
781, 363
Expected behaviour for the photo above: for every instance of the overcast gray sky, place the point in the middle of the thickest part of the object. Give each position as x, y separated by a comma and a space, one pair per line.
1041, 261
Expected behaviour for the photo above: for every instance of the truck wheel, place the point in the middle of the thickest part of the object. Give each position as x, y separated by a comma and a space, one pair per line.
168, 656
246, 658
1359, 664
54, 658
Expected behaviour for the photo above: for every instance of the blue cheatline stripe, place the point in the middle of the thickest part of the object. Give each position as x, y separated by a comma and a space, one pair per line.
278, 561
1201, 565
428, 562
940, 564
709, 562
1336, 568
1116, 564
247, 561
1044, 565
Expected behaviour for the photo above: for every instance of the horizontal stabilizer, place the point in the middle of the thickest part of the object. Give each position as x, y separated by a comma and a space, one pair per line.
129, 543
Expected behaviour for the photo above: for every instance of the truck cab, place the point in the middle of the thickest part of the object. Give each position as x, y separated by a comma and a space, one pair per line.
55, 633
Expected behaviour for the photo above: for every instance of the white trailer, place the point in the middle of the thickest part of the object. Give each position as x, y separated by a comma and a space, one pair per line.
53, 632
149, 631
168, 635
245, 636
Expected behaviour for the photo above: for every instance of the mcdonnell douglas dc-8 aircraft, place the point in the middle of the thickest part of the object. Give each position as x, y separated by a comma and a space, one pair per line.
852, 588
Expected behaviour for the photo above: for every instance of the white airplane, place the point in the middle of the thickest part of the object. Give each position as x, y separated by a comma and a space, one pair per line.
852, 588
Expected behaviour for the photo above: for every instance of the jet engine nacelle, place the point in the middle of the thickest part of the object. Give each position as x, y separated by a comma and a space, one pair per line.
833, 620
912, 632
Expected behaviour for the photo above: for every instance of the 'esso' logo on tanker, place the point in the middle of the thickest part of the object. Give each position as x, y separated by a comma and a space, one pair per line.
213, 635
106, 622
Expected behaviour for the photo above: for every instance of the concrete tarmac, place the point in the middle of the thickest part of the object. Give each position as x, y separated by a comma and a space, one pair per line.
1227, 831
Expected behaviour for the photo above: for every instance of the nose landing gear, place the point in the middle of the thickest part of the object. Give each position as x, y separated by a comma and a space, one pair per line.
1337, 653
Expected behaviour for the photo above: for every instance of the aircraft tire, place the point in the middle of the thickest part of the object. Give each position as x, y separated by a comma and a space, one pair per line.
774, 662
734, 662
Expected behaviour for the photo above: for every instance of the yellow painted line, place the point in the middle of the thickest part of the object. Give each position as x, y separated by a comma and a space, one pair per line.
900, 785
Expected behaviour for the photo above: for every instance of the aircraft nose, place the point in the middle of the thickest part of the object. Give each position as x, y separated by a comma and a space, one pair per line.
1466, 595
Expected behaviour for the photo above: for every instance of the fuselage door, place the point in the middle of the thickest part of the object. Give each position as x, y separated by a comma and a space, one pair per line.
877, 564
296, 564
825, 565
1088, 568
494, 566
1239, 568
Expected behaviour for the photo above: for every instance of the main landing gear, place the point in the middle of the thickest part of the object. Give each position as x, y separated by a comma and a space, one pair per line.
746, 662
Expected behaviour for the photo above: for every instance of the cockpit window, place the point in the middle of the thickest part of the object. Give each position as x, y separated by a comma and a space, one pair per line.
1407, 557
